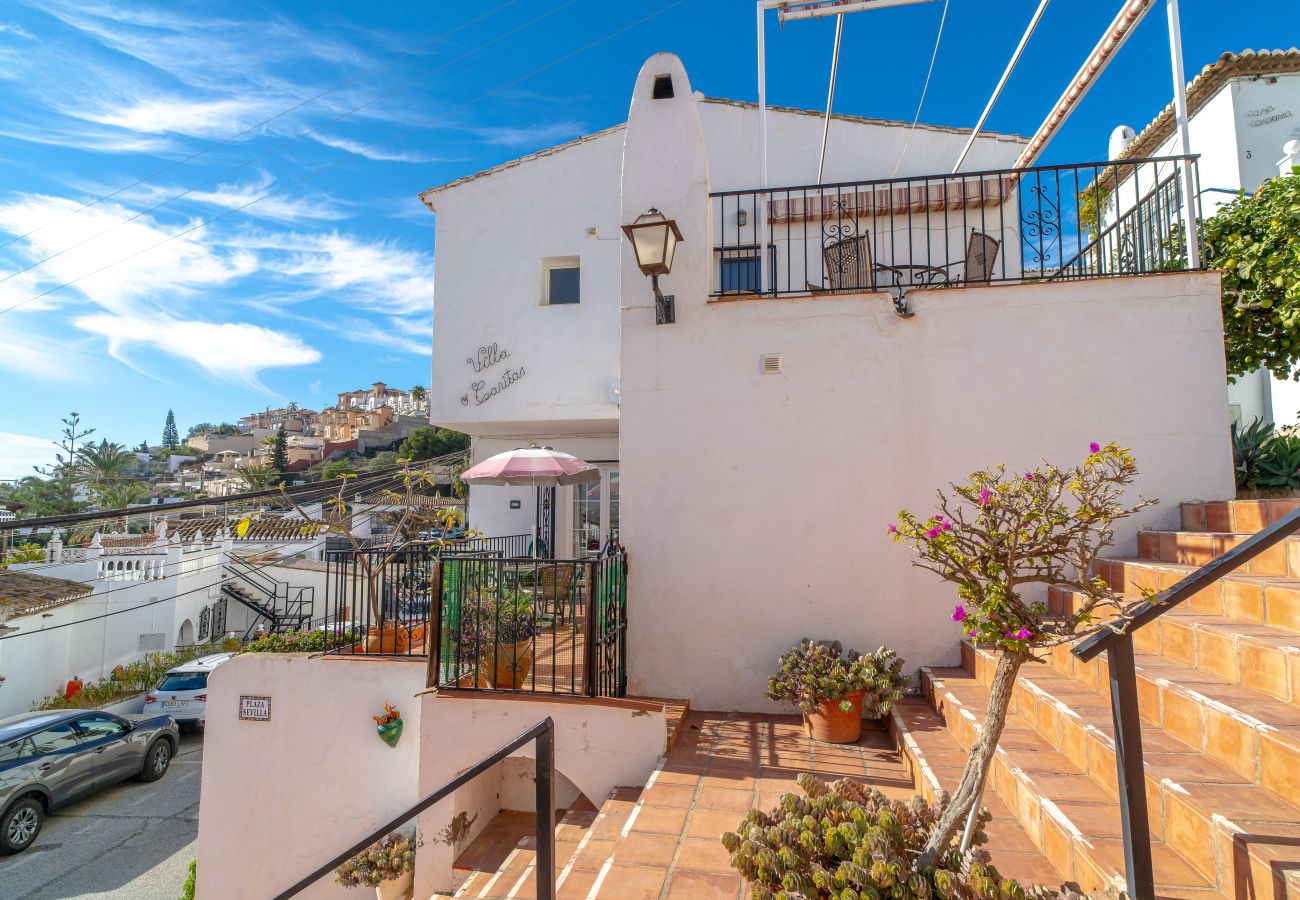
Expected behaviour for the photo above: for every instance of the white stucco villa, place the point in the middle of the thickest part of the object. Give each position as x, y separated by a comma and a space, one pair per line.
834, 350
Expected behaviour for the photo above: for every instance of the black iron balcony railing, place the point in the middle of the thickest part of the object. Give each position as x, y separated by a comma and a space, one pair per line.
486, 621
1001, 225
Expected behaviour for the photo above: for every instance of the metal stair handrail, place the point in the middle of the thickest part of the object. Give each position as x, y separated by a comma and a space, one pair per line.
1116, 640
543, 734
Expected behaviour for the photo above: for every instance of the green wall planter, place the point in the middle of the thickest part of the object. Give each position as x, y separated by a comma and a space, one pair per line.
391, 733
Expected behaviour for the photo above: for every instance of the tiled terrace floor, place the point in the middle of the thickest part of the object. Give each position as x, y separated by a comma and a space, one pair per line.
668, 847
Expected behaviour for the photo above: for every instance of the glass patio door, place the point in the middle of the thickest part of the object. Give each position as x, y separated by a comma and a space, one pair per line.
595, 514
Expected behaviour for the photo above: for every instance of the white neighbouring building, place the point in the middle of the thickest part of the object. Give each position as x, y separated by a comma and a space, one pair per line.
752, 451
1243, 109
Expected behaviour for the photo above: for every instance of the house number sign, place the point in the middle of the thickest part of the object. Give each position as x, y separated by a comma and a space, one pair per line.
256, 709
484, 389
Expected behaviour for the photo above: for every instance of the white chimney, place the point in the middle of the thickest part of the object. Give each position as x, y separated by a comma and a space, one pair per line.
1120, 138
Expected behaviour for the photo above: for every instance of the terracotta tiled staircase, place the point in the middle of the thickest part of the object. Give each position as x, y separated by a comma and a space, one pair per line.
1219, 693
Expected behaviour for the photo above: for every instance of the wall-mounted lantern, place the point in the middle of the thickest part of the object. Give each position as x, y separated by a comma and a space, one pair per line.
654, 240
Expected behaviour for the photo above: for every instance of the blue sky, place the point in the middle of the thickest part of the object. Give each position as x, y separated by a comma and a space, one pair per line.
327, 285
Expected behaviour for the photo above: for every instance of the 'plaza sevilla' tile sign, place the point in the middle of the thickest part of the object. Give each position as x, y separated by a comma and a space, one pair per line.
489, 356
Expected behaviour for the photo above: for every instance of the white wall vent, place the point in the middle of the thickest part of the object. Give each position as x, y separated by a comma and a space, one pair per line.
770, 364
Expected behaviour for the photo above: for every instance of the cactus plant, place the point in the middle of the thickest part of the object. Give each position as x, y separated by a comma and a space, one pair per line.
814, 672
847, 840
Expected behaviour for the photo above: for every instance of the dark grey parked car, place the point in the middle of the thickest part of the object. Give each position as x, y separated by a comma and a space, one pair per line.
50, 758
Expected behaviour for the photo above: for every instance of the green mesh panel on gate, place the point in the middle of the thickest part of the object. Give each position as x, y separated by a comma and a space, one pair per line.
452, 574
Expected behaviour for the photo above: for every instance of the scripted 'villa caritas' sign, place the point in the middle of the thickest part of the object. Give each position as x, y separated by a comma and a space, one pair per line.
483, 389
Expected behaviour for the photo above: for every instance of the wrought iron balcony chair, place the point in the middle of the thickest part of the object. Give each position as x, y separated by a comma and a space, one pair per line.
555, 590
980, 262
849, 265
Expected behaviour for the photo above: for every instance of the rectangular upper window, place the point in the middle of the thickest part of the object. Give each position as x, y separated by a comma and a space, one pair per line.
561, 282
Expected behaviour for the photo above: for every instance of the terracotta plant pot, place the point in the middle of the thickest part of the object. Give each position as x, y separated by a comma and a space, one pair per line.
391, 733
513, 662
394, 888
834, 725
388, 638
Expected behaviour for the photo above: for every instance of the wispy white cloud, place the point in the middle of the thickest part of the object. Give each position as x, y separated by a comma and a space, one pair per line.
240, 195
231, 351
138, 267
176, 115
516, 136
378, 154
371, 275
20, 452
16, 30
389, 332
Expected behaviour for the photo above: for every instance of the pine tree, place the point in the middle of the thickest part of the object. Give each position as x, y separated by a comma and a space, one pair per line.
171, 438
280, 452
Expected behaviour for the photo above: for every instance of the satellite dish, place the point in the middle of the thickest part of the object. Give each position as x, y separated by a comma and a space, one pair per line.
1120, 138
615, 393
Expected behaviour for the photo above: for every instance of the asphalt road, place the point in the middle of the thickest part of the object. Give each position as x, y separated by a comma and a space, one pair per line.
131, 842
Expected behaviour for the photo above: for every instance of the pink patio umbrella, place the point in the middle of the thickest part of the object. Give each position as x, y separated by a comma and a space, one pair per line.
535, 466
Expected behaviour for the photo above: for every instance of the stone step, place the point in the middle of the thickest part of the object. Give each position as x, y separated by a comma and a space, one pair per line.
1065, 814
1196, 548
1246, 516
1261, 599
1229, 825
934, 760
1259, 657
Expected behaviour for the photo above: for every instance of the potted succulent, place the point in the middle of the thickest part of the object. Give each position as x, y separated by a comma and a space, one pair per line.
496, 634
835, 689
389, 725
388, 866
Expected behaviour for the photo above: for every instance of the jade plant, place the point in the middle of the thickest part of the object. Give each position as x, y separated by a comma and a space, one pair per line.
815, 672
392, 857
846, 839
1003, 538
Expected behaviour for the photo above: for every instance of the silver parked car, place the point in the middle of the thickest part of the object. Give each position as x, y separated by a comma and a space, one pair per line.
53, 757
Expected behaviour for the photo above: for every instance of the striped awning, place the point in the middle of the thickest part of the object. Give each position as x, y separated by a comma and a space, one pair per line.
891, 199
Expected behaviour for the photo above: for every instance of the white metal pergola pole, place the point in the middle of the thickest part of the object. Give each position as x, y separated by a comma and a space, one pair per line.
1130, 15
1002, 82
1184, 141
830, 95
760, 227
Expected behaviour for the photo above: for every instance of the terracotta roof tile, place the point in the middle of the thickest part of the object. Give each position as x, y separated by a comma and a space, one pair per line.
24, 593
1205, 85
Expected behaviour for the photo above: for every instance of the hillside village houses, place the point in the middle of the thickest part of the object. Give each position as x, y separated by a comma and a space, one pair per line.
828, 349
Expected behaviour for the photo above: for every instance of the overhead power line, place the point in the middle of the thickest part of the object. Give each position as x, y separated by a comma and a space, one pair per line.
326, 492
350, 156
312, 487
154, 602
281, 146
250, 129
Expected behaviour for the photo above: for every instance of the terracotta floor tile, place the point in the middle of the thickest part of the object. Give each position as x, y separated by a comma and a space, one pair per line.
725, 799
660, 820
632, 883
697, 855
709, 824
669, 795
703, 886
576, 886
593, 856
638, 849
729, 780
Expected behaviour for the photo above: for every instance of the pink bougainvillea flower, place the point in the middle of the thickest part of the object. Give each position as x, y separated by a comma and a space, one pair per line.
985, 497
1029, 476
892, 529
932, 533
958, 613
1023, 634
971, 632
1094, 447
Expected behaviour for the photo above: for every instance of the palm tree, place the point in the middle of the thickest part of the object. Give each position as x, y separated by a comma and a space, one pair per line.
259, 478
103, 464
418, 393
120, 496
